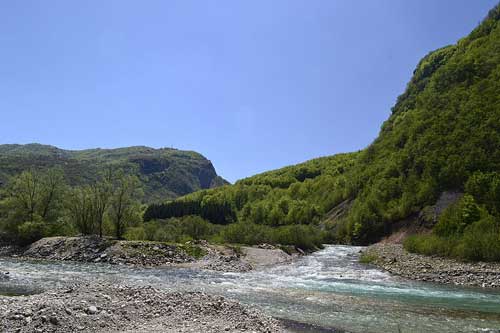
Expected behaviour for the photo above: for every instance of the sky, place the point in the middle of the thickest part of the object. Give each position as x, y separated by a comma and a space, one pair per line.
252, 85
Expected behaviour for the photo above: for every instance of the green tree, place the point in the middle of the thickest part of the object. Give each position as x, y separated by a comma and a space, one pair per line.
457, 217
32, 204
80, 206
124, 203
102, 192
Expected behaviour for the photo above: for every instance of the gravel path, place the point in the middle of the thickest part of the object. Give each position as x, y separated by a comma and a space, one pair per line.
394, 259
111, 308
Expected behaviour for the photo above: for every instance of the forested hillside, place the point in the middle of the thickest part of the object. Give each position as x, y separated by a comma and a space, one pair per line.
443, 135
444, 132
163, 173
300, 194
284, 206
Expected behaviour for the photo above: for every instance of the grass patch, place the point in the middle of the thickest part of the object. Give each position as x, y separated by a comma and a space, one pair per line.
367, 258
288, 249
236, 248
474, 245
194, 251
431, 245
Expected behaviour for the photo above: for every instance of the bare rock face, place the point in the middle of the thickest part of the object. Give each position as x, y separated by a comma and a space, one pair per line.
429, 216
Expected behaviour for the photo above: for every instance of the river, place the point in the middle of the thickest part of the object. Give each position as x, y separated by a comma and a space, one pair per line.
328, 288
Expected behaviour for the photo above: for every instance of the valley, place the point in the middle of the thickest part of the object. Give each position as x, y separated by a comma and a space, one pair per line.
400, 236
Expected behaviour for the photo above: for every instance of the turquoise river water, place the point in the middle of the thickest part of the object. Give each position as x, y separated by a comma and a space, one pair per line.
328, 288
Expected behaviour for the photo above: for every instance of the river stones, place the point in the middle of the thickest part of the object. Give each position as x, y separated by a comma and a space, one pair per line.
92, 310
394, 259
96, 249
195, 254
129, 309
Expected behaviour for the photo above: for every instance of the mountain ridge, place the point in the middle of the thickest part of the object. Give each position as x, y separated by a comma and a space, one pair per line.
164, 172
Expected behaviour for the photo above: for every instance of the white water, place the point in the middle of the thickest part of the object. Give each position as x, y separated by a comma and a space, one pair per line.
329, 288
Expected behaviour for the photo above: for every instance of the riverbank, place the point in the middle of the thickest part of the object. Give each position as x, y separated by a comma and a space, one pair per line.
328, 289
198, 254
112, 308
396, 260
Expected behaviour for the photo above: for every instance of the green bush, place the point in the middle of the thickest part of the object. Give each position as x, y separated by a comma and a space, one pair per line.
193, 250
29, 232
196, 227
305, 237
247, 233
485, 187
431, 245
135, 233
480, 241
457, 217
367, 258
302, 236
176, 230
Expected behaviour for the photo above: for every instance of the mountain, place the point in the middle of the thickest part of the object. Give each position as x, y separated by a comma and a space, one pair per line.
165, 173
442, 136
443, 131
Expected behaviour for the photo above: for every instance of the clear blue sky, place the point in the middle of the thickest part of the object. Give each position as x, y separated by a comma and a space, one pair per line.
252, 85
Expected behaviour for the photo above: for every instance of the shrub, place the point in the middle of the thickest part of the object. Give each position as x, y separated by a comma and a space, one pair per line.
29, 232
135, 233
193, 250
196, 227
367, 258
305, 237
457, 217
430, 245
247, 233
485, 187
302, 236
481, 241
178, 230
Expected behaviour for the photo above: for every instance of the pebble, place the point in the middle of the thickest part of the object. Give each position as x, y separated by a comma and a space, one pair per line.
53, 320
92, 310
95, 249
130, 309
394, 259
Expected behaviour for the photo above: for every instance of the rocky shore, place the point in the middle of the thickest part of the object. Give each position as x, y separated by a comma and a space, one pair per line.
103, 307
118, 308
199, 254
242, 259
95, 249
394, 259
